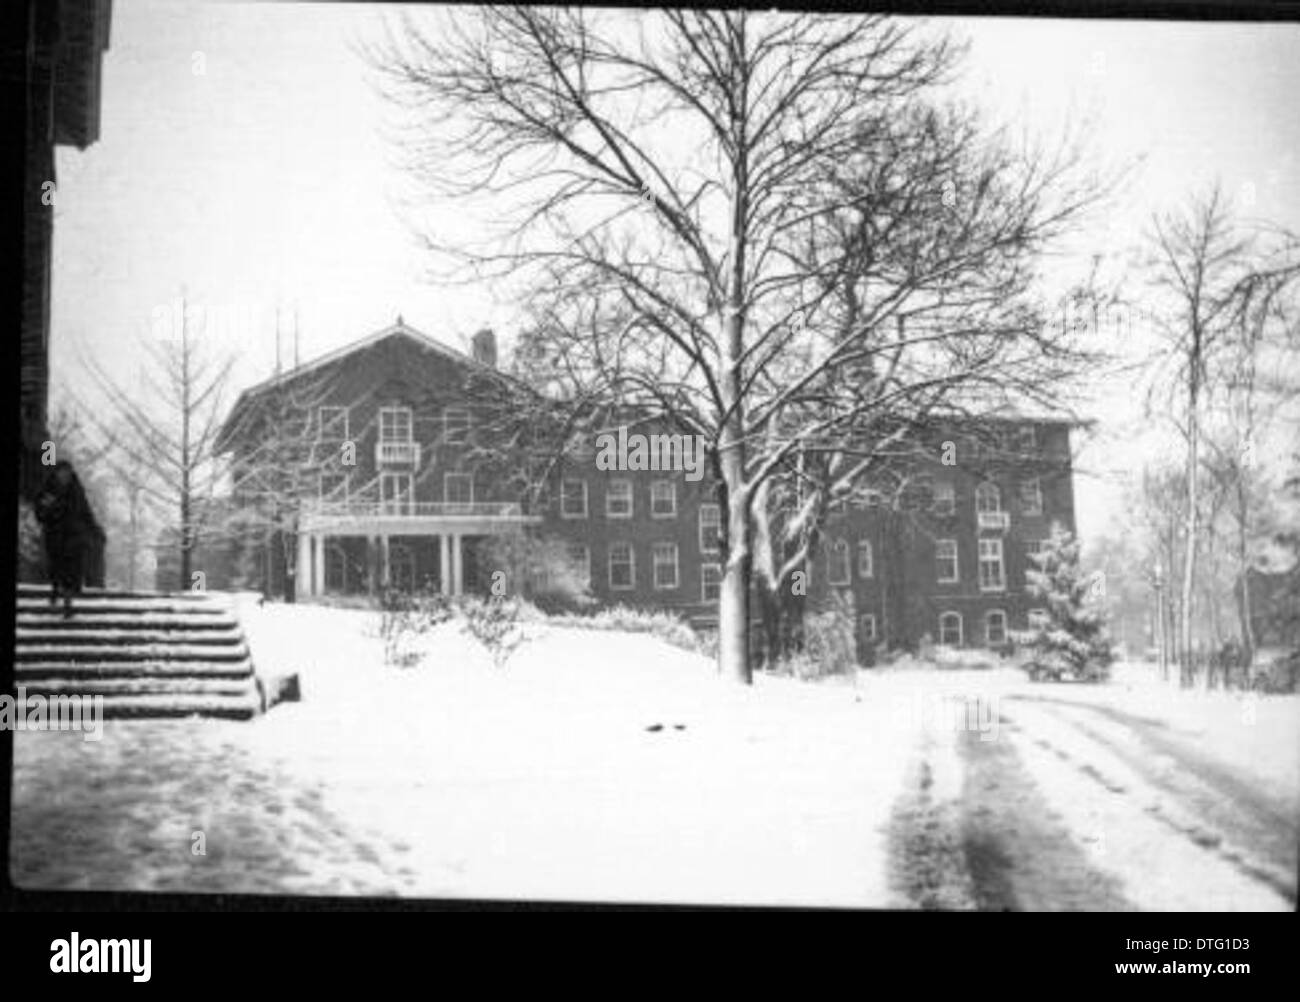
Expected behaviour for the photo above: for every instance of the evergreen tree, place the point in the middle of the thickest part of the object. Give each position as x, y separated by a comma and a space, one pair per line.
1072, 636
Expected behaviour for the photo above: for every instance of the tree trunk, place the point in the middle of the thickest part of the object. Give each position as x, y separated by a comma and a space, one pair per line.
1243, 572
1189, 552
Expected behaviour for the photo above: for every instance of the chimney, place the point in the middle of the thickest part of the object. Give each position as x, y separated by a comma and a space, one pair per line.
484, 347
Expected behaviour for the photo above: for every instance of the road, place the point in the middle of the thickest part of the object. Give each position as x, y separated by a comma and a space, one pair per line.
1103, 799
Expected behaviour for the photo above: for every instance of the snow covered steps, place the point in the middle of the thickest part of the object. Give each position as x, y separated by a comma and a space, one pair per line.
149, 654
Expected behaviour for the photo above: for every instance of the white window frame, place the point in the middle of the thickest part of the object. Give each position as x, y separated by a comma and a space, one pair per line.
656, 549
1036, 508
868, 634
988, 626
463, 429
837, 550
715, 544
961, 634
1032, 546
939, 546
631, 565
1037, 614
945, 498
389, 476
611, 497
992, 543
705, 570
564, 498
410, 424
867, 566
322, 421
983, 493
655, 485
1027, 436
581, 567
446, 481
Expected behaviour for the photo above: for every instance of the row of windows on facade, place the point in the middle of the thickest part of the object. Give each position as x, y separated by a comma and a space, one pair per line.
665, 572
992, 565
396, 424
951, 626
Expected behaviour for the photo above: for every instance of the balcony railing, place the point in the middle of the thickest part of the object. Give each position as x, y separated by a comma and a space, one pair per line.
397, 452
998, 521
401, 508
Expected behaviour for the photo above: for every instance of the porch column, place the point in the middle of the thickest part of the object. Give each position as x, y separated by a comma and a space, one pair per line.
318, 569
458, 565
302, 576
444, 564
383, 552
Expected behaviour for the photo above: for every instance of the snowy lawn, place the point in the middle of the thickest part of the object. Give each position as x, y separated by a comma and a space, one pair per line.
593, 766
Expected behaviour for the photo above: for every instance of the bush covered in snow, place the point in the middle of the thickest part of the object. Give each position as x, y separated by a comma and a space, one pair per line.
494, 622
830, 644
404, 618
664, 625
1071, 637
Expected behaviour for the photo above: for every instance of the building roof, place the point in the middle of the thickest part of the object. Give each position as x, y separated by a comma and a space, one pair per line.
398, 329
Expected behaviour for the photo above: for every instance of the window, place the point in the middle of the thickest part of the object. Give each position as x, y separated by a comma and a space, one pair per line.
839, 570
1028, 439
945, 498
663, 499
991, 571
867, 624
995, 627
395, 492
1037, 619
333, 486
580, 563
455, 425
1031, 497
923, 490
573, 498
458, 488
622, 567
710, 582
1033, 547
394, 424
332, 424
945, 551
865, 567
663, 565
618, 498
950, 629
710, 528
988, 498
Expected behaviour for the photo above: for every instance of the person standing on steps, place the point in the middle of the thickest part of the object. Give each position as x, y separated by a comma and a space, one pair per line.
69, 528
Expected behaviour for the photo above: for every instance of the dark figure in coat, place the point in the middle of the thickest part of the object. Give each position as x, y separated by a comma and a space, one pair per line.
69, 528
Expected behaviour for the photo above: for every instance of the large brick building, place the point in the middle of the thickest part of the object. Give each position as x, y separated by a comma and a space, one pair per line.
389, 440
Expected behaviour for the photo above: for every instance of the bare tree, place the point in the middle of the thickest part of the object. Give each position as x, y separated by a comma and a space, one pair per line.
160, 438
1221, 285
695, 218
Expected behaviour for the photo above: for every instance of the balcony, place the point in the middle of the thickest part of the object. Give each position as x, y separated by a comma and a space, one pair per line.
397, 453
400, 516
994, 521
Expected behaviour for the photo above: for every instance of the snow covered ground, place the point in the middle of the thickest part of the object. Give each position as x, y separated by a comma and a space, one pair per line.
614, 767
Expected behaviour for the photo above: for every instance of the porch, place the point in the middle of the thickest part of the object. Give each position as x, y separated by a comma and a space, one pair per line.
359, 547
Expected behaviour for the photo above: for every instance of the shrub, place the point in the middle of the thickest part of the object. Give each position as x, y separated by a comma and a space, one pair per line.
31, 552
664, 625
494, 622
830, 644
537, 569
404, 618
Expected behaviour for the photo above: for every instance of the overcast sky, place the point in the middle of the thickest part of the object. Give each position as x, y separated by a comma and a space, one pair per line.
240, 157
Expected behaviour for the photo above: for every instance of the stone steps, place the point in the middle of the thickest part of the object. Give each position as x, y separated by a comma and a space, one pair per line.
146, 654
